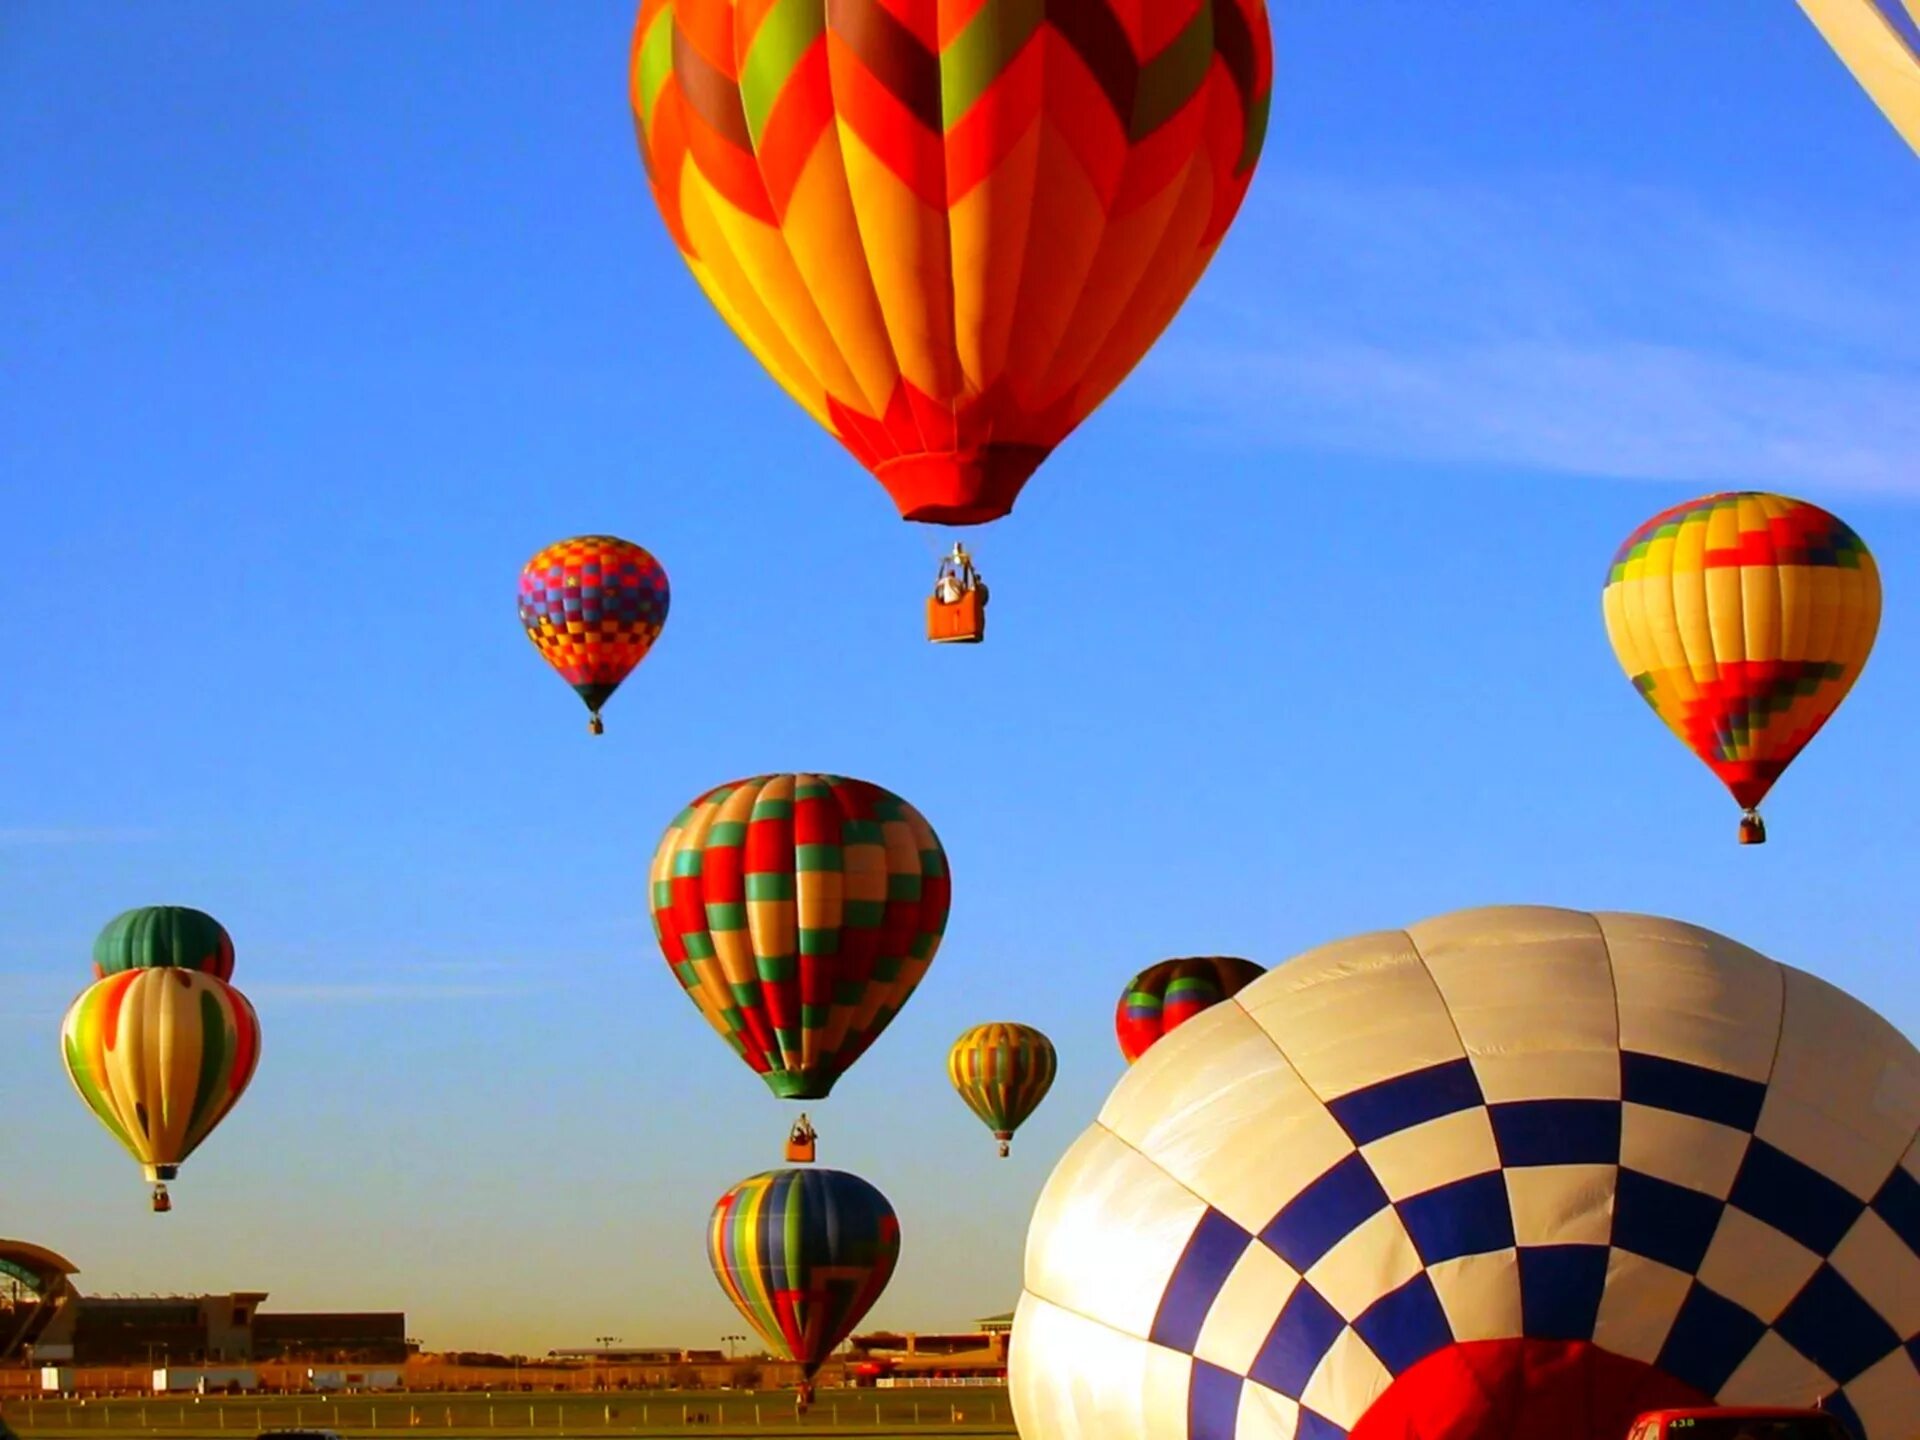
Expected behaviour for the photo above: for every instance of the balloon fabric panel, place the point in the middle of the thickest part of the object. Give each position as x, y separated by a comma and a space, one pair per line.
1880, 42
160, 1056
949, 229
1743, 620
803, 1254
1002, 1071
799, 912
593, 606
163, 935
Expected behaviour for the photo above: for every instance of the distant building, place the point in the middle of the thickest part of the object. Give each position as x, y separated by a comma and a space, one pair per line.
630, 1356
35, 1291
44, 1315
907, 1357
354, 1337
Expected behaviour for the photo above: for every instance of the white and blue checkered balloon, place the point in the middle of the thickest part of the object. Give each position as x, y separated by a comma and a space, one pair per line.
1512, 1174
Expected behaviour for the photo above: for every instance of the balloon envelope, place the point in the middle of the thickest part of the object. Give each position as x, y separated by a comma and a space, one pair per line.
799, 912
1509, 1174
593, 606
1002, 1071
1880, 42
1743, 620
949, 232
803, 1254
1167, 995
160, 936
160, 1056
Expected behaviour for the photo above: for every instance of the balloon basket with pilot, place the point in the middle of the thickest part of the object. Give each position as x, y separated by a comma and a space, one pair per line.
801, 1142
957, 609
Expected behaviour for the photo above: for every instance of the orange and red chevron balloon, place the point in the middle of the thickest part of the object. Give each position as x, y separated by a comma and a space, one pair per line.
1743, 620
593, 606
950, 227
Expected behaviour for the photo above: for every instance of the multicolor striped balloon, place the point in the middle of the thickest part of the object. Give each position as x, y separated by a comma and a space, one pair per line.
949, 228
803, 1254
593, 606
1880, 42
799, 912
1171, 993
1003, 1071
160, 1055
1743, 620
158, 936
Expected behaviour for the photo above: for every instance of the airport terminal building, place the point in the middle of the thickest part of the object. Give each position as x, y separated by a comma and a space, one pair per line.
45, 1319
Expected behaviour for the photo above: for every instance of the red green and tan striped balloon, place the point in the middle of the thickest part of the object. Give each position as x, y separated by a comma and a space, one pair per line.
1003, 1071
949, 228
160, 1056
1165, 996
799, 911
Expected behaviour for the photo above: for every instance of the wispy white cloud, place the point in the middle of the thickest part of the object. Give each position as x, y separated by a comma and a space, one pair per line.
1613, 332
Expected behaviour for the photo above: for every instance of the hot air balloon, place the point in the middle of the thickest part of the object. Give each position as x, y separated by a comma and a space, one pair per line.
1880, 42
1003, 1071
160, 1056
949, 233
803, 1254
593, 606
799, 912
162, 936
1510, 1174
1171, 993
1743, 620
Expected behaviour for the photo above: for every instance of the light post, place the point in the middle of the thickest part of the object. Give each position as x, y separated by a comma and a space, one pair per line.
728, 1341
603, 1341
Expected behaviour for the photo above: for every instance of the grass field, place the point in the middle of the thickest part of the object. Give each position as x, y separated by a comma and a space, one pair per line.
873, 1414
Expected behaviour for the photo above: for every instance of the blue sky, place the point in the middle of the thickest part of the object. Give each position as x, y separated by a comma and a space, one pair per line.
317, 320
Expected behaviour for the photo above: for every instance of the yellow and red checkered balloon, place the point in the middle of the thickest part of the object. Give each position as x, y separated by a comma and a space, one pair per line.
1743, 620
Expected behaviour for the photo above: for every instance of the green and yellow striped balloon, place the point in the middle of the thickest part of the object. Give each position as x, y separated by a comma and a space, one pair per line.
160, 1056
1003, 1071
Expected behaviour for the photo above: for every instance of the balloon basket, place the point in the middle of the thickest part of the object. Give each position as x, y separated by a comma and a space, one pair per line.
1006, 1143
957, 622
594, 727
162, 1202
1753, 830
801, 1141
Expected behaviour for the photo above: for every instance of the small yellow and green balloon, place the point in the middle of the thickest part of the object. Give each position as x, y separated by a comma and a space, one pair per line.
1003, 1071
160, 1046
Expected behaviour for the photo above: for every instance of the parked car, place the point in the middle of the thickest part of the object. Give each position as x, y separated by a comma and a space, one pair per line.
1717, 1422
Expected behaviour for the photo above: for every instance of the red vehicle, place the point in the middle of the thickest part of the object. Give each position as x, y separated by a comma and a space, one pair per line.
1738, 1423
